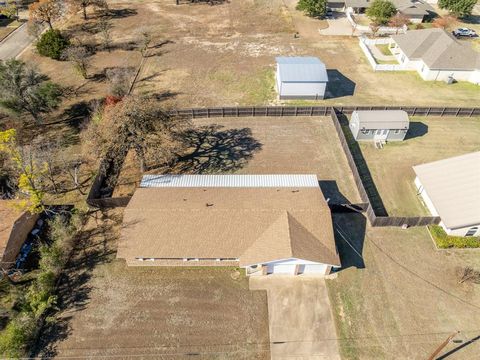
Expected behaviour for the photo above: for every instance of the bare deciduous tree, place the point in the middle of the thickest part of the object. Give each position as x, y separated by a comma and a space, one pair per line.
45, 10
468, 274
137, 123
79, 56
105, 32
398, 21
120, 80
145, 41
445, 22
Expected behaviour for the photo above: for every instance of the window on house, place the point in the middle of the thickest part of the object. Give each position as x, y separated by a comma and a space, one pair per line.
472, 231
397, 131
403, 58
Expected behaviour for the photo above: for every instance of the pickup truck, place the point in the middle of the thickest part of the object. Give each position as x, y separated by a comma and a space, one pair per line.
464, 32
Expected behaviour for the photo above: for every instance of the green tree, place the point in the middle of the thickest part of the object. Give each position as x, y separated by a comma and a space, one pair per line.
460, 8
313, 8
24, 90
52, 43
381, 11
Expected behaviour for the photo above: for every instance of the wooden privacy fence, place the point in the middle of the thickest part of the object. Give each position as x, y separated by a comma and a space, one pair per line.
251, 111
370, 212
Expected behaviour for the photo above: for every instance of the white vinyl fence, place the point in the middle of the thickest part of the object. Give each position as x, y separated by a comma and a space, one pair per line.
364, 45
366, 29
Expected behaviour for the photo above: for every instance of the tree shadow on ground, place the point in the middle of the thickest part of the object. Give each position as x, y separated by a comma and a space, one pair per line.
209, 2
93, 247
212, 150
349, 231
416, 129
120, 13
338, 85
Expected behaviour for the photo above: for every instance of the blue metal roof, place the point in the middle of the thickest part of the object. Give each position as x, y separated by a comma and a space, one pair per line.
301, 69
239, 181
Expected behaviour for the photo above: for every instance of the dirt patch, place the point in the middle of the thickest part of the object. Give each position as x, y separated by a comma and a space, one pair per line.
262, 145
110, 310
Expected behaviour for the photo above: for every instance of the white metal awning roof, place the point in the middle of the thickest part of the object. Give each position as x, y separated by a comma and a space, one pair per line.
240, 181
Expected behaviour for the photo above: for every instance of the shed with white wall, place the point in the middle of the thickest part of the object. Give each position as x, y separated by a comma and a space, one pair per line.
301, 78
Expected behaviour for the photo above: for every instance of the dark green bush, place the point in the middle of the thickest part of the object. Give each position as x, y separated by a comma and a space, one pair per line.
52, 43
445, 241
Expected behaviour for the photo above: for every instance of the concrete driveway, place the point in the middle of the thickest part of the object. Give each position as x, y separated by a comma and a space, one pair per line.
300, 320
338, 25
15, 43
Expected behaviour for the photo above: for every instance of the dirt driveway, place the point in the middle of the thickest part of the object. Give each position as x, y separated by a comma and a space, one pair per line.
300, 319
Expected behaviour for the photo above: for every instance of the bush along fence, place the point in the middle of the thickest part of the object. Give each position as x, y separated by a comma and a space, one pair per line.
375, 211
100, 195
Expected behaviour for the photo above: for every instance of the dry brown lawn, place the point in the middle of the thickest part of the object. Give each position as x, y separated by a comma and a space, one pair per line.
263, 145
429, 139
204, 55
404, 300
109, 310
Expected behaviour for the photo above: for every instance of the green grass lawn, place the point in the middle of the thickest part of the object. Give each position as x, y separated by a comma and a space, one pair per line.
384, 49
445, 241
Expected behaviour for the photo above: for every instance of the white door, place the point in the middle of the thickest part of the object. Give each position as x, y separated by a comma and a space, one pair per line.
381, 134
319, 269
284, 269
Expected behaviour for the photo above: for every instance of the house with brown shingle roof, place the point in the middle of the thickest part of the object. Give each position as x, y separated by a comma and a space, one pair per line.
436, 55
267, 224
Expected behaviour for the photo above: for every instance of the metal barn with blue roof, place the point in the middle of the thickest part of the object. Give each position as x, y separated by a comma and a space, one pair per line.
301, 78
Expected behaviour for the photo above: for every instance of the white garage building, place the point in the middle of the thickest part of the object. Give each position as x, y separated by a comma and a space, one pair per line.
267, 224
301, 78
450, 189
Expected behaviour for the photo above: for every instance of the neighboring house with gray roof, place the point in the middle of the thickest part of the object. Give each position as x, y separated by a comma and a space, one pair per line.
301, 78
450, 188
379, 125
436, 55
415, 10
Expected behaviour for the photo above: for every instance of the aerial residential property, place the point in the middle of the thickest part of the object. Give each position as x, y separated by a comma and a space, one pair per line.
240, 179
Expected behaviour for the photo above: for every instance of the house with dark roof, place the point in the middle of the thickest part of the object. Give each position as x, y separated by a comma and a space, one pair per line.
436, 55
415, 10
267, 224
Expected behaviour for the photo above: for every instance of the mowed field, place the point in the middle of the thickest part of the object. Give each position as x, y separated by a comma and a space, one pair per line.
224, 55
110, 311
428, 139
261, 145
401, 298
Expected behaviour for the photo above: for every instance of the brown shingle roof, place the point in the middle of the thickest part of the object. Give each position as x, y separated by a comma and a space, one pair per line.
252, 224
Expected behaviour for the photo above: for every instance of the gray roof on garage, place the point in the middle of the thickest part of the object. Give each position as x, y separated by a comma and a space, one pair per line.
453, 186
301, 69
383, 119
438, 49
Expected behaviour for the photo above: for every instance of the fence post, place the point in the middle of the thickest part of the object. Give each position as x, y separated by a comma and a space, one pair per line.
296, 110
471, 112
311, 110
458, 112
443, 111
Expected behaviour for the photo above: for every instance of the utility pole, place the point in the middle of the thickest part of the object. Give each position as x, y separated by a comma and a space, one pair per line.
442, 346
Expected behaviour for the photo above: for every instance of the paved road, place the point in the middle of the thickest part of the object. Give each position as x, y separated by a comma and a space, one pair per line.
300, 320
14, 44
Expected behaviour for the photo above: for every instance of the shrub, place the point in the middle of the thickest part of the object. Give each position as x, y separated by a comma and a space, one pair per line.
52, 43
18, 333
381, 11
445, 241
314, 8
